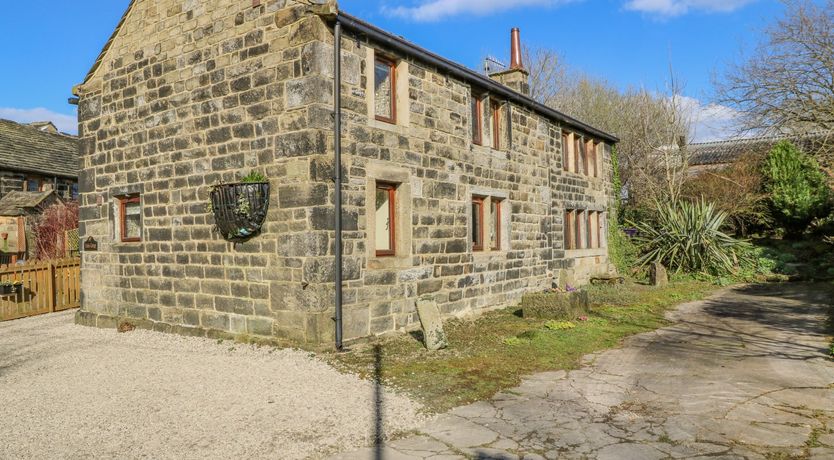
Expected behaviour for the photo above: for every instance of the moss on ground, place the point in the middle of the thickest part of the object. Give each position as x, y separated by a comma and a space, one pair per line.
493, 352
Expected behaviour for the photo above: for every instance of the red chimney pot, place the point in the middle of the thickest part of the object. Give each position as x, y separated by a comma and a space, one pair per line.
515, 49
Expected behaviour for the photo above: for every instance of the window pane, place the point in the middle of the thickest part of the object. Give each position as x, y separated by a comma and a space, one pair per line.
495, 224
33, 186
383, 90
496, 126
477, 225
133, 221
578, 232
476, 121
383, 219
568, 226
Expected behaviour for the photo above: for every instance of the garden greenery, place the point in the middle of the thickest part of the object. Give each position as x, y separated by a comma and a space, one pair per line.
797, 188
687, 237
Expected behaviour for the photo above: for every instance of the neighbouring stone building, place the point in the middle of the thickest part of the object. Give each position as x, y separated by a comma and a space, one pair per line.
17, 208
36, 158
457, 187
716, 155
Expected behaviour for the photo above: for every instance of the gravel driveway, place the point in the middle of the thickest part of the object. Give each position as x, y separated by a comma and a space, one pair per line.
68, 391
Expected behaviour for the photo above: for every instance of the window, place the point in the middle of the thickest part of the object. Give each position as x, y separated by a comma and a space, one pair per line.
569, 226
130, 217
385, 90
477, 223
581, 155
592, 158
584, 229
566, 145
578, 232
495, 224
32, 185
477, 121
74, 191
496, 125
385, 221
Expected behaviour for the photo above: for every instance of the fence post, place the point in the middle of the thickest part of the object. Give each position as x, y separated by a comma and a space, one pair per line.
50, 283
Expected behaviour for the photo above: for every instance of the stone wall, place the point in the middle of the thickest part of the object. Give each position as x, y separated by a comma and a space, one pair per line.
192, 94
11, 180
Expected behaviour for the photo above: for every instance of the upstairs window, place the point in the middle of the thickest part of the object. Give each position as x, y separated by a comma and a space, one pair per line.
496, 125
385, 220
385, 90
477, 120
567, 145
32, 185
130, 219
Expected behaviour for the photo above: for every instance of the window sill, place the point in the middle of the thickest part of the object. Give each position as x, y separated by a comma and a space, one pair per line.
580, 253
388, 262
393, 127
485, 149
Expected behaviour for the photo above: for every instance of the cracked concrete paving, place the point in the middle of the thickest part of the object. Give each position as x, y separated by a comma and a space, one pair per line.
742, 375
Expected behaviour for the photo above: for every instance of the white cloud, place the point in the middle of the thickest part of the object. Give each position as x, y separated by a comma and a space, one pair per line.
434, 10
711, 122
65, 123
671, 8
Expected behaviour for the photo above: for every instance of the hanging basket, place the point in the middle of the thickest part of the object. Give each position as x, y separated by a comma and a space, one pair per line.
240, 209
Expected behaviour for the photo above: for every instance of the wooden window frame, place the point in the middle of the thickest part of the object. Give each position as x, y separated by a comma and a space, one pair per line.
566, 151
32, 179
570, 240
123, 202
496, 125
478, 121
589, 236
478, 245
392, 65
392, 213
496, 220
578, 230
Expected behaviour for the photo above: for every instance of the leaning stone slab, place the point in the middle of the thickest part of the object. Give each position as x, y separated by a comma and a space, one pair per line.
659, 276
557, 305
433, 335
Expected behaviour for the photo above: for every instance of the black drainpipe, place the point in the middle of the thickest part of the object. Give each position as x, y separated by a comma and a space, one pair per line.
337, 166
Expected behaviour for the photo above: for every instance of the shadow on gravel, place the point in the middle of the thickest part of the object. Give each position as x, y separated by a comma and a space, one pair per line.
752, 321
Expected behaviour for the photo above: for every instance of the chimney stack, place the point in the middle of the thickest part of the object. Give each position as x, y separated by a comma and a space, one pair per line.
516, 77
515, 49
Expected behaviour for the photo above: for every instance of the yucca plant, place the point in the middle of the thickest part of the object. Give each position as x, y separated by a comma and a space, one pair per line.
687, 236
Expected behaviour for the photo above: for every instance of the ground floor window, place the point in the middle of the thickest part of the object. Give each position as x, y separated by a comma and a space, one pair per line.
385, 219
584, 229
487, 223
130, 218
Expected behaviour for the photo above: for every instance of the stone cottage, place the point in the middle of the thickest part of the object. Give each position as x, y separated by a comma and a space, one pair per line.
36, 157
455, 186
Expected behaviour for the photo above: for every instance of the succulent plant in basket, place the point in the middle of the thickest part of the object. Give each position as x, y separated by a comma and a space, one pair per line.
240, 208
9, 287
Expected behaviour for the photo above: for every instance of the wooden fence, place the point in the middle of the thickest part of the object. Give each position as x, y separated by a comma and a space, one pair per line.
48, 286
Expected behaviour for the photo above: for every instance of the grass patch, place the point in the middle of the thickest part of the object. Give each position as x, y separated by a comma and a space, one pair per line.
494, 351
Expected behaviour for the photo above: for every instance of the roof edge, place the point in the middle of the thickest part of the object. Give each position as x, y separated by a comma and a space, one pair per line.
470, 76
105, 48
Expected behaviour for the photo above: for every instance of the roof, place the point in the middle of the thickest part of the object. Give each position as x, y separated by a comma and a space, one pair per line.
459, 70
728, 151
17, 202
468, 75
28, 149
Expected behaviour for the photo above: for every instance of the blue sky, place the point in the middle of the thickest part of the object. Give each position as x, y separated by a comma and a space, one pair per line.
50, 45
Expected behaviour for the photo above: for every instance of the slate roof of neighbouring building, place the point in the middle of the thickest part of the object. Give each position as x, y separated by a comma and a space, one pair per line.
725, 152
16, 202
29, 149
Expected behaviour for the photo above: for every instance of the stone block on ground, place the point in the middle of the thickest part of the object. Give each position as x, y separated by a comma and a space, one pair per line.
556, 305
433, 335
659, 275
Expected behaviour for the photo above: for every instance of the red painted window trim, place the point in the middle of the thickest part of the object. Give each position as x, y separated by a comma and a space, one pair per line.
393, 80
478, 245
478, 121
496, 220
392, 213
123, 202
570, 240
496, 126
